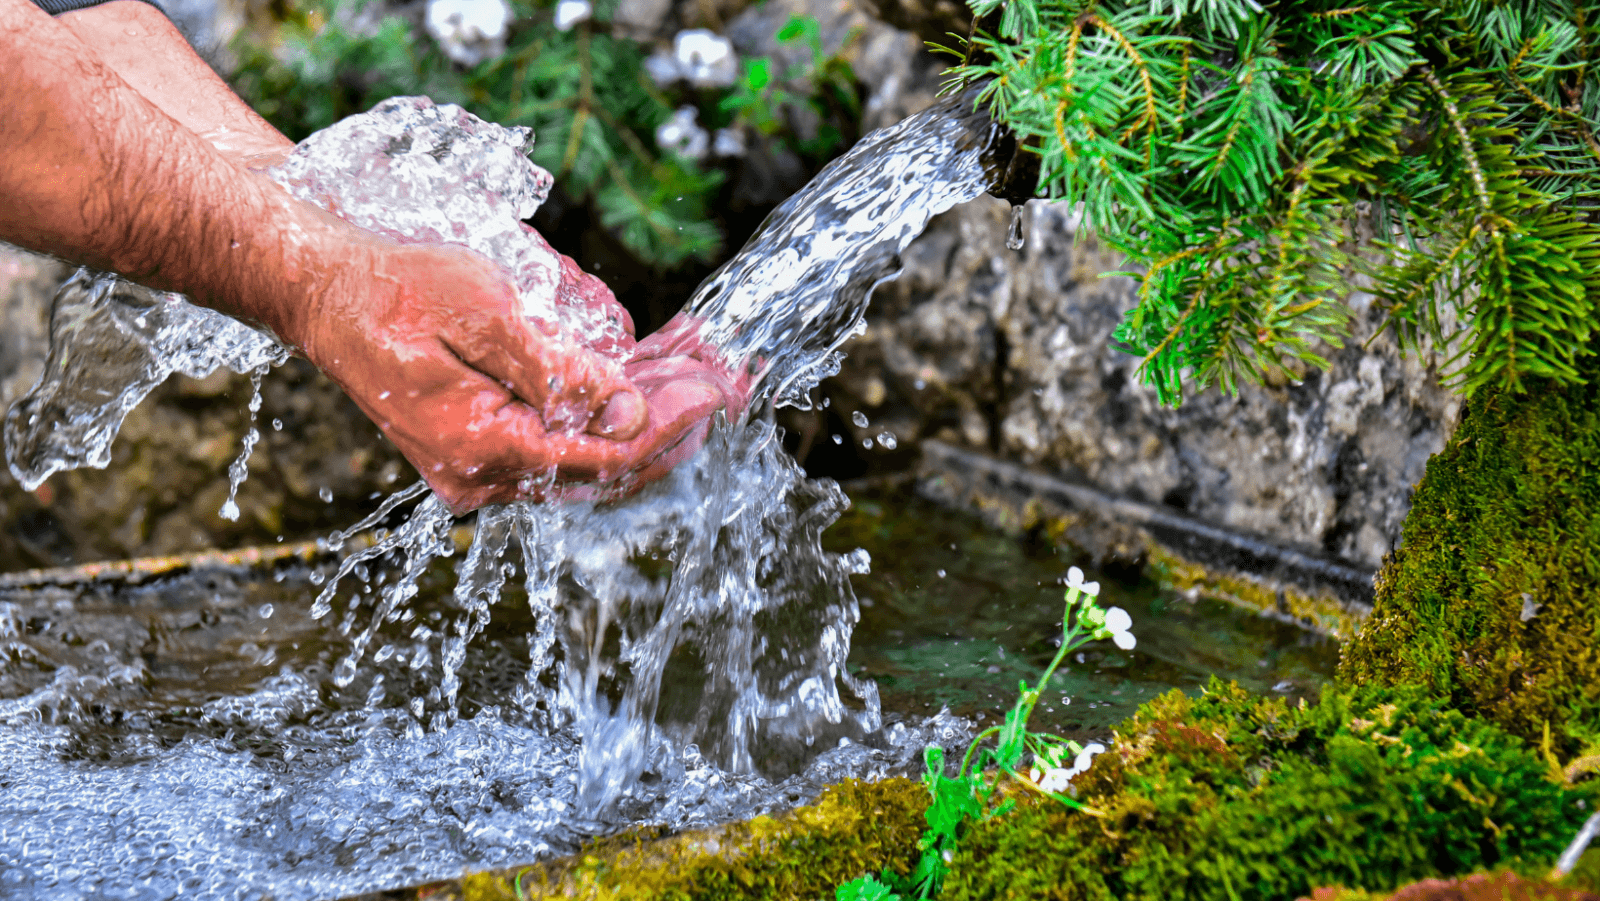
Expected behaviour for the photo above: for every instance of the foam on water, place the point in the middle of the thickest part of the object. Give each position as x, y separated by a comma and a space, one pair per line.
697, 630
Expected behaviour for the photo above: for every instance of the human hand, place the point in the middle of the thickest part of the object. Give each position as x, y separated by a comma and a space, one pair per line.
674, 356
430, 342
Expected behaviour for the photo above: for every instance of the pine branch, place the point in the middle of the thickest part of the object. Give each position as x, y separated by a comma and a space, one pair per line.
1223, 146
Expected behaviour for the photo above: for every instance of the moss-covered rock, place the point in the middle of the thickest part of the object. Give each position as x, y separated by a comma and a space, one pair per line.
1501, 886
853, 828
1493, 599
1227, 796
1231, 796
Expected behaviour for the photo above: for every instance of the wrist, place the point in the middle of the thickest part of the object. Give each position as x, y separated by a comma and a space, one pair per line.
295, 256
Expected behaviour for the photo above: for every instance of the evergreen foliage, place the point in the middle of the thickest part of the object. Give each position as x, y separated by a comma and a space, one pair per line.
1250, 159
584, 91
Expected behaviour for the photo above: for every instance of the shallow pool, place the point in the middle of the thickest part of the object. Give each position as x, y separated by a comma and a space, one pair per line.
183, 737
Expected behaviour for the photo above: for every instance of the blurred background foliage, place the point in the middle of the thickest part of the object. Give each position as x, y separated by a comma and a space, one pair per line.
632, 149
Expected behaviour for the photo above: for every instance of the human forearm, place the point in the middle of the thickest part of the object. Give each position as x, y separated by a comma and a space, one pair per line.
94, 172
141, 45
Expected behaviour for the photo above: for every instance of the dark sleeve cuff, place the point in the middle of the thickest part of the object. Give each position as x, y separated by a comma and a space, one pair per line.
57, 7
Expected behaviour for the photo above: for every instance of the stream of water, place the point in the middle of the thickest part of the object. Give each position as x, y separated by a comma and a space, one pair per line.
712, 582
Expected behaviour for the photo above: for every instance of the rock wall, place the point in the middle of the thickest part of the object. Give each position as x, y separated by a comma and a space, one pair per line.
1010, 351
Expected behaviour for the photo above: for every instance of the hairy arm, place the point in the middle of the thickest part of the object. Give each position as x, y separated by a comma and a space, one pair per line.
96, 173
144, 48
137, 162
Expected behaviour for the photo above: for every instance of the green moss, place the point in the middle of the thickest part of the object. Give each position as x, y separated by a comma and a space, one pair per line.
1507, 518
1586, 875
1230, 796
854, 828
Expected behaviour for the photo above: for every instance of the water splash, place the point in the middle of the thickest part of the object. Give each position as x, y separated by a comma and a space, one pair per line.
111, 343
799, 287
716, 571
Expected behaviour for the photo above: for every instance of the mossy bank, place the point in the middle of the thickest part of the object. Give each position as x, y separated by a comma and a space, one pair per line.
1492, 600
1227, 795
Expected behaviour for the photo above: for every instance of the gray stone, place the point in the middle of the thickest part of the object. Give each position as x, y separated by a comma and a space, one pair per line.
1011, 352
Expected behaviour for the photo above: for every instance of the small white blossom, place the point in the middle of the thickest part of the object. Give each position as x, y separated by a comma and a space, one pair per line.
662, 67
571, 12
1086, 757
1075, 580
1050, 776
728, 142
1053, 779
682, 135
1118, 622
468, 31
705, 58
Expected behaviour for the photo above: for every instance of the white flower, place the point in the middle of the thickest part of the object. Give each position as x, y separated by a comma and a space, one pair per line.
1053, 779
662, 68
1086, 757
1118, 622
705, 58
683, 135
1075, 580
728, 142
468, 31
571, 12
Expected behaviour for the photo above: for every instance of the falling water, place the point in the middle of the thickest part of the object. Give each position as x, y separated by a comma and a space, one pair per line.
240, 467
699, 620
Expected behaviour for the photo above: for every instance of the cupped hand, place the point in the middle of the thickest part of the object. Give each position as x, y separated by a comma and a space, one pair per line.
490, 406
677, 355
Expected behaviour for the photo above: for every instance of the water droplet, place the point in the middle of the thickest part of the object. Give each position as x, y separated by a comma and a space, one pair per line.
344, 673
1014, 238
860, 419
866, 443
265, 611
887, 441
941, 573
277, 425
326, 494
229, 511
838, 439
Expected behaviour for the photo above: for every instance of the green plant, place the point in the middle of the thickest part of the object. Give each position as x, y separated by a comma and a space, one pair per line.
972, 794
584, 92
1489, 600
826, 85
1251, 158
1233, 797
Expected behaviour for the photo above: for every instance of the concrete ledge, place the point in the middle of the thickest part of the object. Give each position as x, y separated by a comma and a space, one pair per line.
1322, 593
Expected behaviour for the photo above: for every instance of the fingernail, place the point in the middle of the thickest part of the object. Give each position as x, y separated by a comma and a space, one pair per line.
623, 417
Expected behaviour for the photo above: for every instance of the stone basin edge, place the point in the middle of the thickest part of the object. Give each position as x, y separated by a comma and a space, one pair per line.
1318, 592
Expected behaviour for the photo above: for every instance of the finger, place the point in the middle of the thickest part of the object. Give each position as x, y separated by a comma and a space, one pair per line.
571, 387
528, 463
676, 411
734, 386
680, 337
